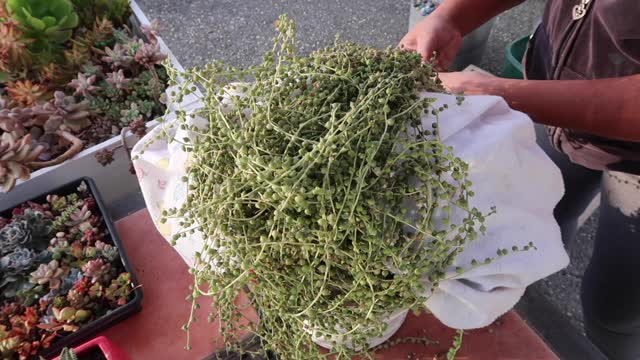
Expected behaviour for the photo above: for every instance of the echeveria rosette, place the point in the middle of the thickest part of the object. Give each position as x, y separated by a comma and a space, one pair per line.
15, 266
20, 261
27, 230
50, 274
39, 225
14, 236
48, 22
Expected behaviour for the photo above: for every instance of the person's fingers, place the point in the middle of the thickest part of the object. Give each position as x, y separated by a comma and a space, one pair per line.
448, 54
426, 46
408, 42
444, 61
448, 81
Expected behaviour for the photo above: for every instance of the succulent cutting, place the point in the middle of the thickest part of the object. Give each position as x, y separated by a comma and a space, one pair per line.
59, 271
72, 74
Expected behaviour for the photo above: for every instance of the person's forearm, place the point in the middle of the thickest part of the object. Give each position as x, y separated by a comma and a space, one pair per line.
469, 14
605, 107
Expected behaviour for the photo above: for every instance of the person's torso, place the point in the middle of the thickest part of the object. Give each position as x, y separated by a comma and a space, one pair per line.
585, 40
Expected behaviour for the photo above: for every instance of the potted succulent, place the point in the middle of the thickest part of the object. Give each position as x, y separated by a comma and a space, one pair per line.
77, 79
317, 188
63, 273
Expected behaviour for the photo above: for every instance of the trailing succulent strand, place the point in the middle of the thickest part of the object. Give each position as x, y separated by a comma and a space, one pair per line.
317, 186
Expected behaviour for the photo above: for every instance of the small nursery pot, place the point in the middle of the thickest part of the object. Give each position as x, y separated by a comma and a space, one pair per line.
393, 321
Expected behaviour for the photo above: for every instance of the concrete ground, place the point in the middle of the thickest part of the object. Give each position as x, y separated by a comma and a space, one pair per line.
238, 32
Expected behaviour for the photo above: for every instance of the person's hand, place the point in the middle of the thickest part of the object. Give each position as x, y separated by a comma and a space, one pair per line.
468, 82
434, 34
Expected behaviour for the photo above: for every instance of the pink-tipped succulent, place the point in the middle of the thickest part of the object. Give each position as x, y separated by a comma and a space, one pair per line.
118, 56
26, 92
74, 114
96, 269
149, 55
83, 85
151, 30
50, 273
78, 217
16, 152
118, 80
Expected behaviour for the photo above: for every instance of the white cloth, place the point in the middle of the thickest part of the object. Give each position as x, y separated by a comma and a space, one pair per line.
508, 170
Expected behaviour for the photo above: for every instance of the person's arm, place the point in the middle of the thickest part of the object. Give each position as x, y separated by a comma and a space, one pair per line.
441, 32
467, 15
607, 107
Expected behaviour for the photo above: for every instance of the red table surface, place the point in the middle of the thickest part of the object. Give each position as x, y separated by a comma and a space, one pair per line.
155, 332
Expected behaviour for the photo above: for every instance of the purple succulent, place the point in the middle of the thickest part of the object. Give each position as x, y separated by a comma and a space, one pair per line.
118, 56
74, 114
104, 157
149, 55
117, 80
151, 30
96, 269
84, 85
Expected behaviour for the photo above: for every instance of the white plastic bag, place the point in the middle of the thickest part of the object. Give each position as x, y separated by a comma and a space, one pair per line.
508, 171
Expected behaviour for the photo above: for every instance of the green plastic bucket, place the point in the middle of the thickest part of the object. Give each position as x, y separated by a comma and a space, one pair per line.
514, 53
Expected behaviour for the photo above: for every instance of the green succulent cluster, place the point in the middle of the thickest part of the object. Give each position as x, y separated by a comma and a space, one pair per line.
317, 186
117, 11
137, 100
49, 22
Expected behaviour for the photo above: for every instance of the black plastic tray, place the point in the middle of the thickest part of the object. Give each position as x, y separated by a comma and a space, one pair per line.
91, 329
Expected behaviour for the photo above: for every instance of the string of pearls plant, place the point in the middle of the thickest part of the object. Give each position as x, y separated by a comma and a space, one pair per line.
315, 185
